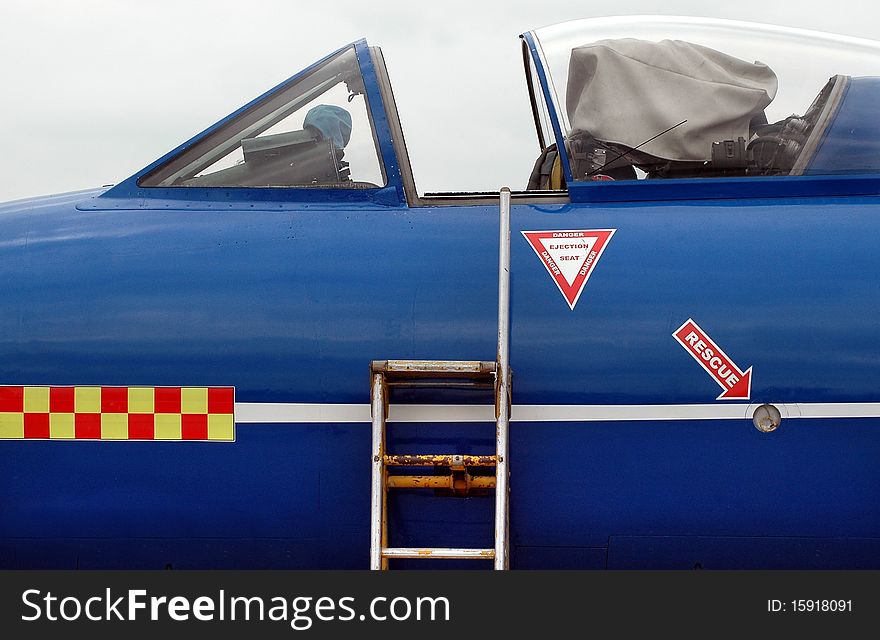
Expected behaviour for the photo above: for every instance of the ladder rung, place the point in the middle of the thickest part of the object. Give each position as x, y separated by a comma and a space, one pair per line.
442, 383
440, 460
434, 368
417, 552
437, 482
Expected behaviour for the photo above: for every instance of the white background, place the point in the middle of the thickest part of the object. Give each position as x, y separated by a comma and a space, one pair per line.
94, 90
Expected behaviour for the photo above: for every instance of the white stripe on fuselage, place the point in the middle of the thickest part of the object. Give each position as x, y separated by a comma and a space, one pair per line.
292, 412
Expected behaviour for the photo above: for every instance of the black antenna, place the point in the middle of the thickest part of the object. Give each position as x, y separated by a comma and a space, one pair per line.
619, 156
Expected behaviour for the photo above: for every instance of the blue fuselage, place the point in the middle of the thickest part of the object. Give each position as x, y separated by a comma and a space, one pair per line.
290, 302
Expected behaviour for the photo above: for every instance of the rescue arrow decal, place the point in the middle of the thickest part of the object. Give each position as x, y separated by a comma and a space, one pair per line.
736, 384
569, 256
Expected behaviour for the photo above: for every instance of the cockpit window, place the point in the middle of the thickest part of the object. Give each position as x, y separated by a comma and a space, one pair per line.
678, 98
316, 132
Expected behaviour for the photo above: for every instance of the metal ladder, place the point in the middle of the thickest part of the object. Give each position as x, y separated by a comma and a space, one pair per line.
446, 374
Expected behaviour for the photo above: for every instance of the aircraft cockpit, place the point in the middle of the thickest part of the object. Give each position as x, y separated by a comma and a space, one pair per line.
314, 132
633, 108
660, 98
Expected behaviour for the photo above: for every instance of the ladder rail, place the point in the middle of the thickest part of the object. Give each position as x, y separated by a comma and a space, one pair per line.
378, 514
502, 389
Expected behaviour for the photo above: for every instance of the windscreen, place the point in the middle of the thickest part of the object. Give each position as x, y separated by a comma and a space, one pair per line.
315, 132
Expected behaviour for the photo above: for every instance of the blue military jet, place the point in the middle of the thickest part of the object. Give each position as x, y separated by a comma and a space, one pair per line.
268, 349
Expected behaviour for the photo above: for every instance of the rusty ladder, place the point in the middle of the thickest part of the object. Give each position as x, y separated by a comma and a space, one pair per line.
446, 374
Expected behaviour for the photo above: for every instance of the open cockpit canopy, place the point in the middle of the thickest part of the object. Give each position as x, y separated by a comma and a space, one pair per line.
666, 97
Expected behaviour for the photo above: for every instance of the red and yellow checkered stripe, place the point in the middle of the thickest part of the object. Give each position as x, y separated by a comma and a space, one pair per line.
117, 413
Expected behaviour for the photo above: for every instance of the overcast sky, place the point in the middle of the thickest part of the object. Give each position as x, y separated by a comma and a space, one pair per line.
94, 90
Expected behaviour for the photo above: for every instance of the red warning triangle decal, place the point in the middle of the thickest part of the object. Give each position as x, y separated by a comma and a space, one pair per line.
569, 256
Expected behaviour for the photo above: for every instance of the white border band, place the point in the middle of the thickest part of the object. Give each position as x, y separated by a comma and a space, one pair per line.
313, 413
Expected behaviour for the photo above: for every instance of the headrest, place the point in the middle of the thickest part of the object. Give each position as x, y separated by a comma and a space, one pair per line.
332, 122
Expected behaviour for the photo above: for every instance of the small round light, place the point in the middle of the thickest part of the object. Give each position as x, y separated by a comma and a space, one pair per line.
767, 418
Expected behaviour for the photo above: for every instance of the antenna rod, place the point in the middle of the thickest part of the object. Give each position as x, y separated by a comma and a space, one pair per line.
619, 156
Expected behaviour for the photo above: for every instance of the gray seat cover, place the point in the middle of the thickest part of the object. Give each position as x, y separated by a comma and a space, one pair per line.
625, 91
